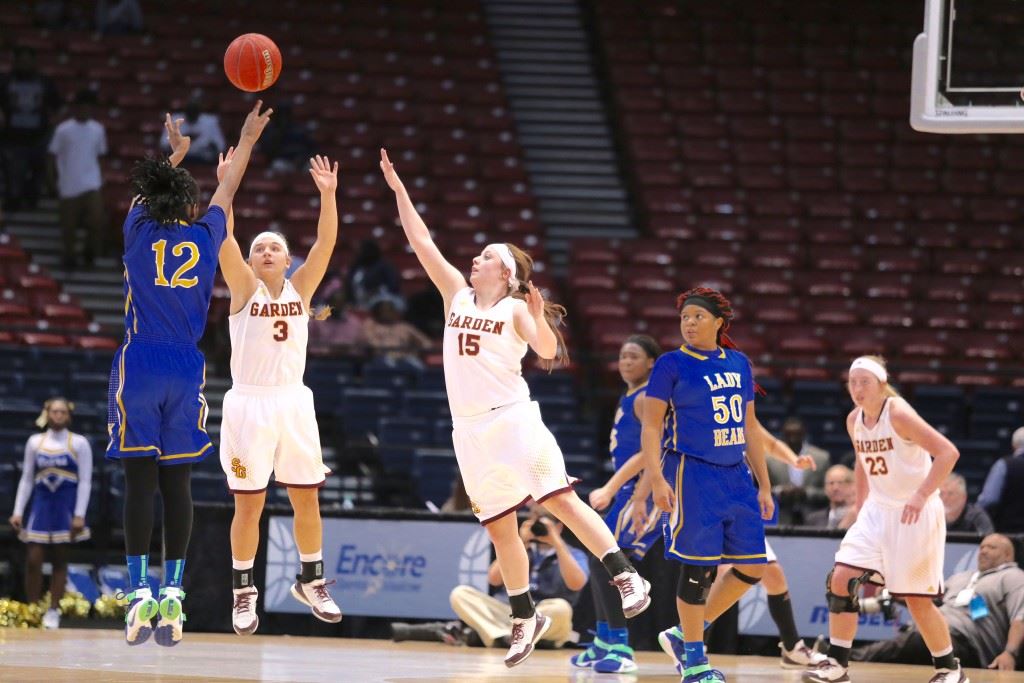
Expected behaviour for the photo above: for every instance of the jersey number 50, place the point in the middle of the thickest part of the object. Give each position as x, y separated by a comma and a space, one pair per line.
178, 279
723, 409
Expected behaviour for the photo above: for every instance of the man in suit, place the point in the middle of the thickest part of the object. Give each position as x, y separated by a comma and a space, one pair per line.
839, 487
798, 490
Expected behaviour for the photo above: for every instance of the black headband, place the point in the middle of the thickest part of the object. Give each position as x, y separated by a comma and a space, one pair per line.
704, 302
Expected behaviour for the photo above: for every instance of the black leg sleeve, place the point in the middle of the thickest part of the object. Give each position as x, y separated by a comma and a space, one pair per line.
176, 491
140, 481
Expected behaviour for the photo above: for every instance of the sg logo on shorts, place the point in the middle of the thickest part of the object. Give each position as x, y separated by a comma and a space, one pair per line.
237, 468
475, 507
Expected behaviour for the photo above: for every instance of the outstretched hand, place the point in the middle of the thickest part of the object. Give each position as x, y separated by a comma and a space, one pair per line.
223, 162
534, 301
179, 143
390, 176
325, 177
255, 122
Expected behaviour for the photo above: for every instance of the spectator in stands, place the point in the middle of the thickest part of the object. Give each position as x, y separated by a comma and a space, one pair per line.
286, 143
370, 275
558, 572
985, 612
28, 101
207, 140
839, 487
798, 489
341, 333
961, 515
57, 474
1005, 479
115, 17
391, 338
76, 148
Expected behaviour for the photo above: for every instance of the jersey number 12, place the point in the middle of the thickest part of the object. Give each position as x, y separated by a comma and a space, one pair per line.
178, 279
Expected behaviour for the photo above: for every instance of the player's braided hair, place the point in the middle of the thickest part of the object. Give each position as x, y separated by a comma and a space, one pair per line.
554, 313
720, 307
167, 192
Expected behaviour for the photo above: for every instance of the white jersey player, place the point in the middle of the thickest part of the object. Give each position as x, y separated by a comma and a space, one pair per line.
900, 534
506, 454
269, 425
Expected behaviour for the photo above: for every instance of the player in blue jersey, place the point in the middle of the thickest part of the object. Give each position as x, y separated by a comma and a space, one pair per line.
698, 426
610, 652
156, 413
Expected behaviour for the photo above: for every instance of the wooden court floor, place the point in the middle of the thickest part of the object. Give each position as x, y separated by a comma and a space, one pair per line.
98, 655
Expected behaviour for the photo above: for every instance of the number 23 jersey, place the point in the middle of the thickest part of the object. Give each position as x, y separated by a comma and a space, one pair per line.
707, 394
483, 356
169, 271
895, 468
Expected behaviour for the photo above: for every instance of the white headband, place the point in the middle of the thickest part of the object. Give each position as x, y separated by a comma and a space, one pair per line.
872, 366
268, 235
505, 254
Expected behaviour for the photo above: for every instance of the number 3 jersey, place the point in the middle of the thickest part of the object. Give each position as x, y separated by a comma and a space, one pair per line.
707, 394
268, 338
169, 270
483, 356
895, 468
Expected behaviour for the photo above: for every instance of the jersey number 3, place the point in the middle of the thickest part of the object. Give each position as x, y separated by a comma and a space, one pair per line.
178, 279
876, 465
282, 330
469, 344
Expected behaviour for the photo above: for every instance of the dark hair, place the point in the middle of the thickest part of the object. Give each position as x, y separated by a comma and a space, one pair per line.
168, 192
85, 96
646, 344
554, 313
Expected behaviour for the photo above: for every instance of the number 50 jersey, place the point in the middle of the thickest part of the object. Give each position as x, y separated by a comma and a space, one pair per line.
169, 270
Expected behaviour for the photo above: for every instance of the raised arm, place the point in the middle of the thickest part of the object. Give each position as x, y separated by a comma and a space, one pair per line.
253, 127
238, 276
444, 275
179, 143
310, 274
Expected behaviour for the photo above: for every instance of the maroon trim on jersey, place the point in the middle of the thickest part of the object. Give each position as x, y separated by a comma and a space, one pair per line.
863, 569
231, 490
524, 501
301, 486
864, 415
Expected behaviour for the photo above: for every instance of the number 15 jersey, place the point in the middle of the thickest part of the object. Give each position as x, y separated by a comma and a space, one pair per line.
707, 394
169, 270
483, 356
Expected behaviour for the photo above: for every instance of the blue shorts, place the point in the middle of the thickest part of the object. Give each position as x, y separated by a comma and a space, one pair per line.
721, 519
618, 520
50, 515
155, 403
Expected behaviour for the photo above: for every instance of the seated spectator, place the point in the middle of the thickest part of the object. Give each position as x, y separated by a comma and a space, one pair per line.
798, 489
961, 515
841, 492
370, 275
115, 17
1000, 495
389, 337
76, 148
558, 572
985, 612
285, 142
204, 129
339, 334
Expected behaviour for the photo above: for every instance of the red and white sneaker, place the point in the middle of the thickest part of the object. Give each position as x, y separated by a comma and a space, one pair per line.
828, 671
634, 591
525, 634
801, 656
315, 596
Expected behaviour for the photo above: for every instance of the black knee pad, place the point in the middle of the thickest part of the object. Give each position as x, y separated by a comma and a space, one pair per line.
838, 604
745, 578
695, 583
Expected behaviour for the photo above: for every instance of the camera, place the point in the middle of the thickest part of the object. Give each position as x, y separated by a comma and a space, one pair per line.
880, 603
538, 528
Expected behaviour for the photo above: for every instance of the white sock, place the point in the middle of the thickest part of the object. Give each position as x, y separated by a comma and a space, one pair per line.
613, 549
312, 557
841, 643
517, 591
242, 564
942, 653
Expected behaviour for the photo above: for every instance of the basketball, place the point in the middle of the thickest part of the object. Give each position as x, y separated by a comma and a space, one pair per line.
252, 62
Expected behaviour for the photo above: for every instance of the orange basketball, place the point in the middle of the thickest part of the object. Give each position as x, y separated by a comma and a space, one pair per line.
252, 62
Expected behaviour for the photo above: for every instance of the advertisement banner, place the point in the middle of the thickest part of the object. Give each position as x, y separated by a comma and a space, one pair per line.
806, 562
383, 568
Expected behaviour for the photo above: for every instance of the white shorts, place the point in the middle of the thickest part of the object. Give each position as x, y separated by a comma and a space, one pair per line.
268, 430
507, 456
908, 558
769, 553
